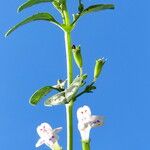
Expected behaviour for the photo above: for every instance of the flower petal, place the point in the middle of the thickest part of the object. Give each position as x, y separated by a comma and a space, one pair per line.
57, 130
96, 121
83, 113
39, 142
52, 138
87, 110
85, 134
44, 129
49, 144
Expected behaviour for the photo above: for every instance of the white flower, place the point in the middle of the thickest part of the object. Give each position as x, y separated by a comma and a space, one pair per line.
47, 135
86, 121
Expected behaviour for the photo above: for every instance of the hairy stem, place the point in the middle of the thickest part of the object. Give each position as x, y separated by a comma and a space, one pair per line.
69, 107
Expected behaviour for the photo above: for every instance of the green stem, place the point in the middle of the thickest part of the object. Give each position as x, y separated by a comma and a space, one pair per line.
69, 112
69, 107
85, 145
81, 71
68, 56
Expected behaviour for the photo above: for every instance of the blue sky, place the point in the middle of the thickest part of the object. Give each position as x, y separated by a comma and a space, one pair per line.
34, 56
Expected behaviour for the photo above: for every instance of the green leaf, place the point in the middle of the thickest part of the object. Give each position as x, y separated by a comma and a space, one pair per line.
93, 8
30, 3
39, 16
98, 7
39, 94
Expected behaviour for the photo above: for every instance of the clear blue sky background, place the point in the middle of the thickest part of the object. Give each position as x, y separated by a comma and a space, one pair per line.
34, 56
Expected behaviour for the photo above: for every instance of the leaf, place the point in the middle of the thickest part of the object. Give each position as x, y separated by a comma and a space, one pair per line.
93, 8
39, 16
98, 7
39, 94
56, 99
30, 3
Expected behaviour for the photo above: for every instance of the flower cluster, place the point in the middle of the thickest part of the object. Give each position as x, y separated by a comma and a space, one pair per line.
86, 121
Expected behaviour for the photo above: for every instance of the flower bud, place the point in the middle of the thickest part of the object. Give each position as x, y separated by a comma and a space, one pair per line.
98, 67
77, 55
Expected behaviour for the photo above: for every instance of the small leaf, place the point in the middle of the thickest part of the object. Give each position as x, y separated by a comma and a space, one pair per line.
59, 5
91, 9
39, 16
39, 94
98, 7
30, 3
81, 7
93, 87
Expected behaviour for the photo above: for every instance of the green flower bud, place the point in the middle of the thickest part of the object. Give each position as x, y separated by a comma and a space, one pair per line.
77, 55
98, 67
